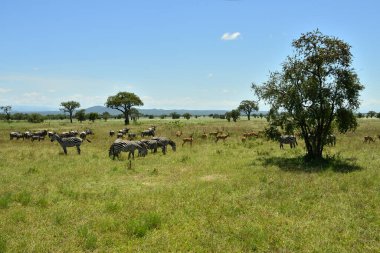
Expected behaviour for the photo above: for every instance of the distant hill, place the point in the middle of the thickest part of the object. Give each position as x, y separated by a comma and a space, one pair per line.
100, 109
155, 112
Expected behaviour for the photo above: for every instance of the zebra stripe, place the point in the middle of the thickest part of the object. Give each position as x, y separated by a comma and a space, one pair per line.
126, 146
163, 142
288, 139
67, 142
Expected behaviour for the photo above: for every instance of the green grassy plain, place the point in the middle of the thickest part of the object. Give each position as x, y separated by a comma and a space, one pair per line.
211, 197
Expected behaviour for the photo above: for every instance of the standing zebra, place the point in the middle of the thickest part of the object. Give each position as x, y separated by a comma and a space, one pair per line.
127, 146
151, 144
68, 142
163, 142
288, 139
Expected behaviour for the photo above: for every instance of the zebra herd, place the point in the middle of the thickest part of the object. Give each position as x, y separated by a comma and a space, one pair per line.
130, 145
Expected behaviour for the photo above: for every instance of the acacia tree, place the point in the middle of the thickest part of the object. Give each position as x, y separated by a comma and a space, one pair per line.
69, 107
123, 102
247, 106
316, 87
7, 111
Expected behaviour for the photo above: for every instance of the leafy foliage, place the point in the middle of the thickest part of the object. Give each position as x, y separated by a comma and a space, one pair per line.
316, 87
123, 102
247, 106
69, 107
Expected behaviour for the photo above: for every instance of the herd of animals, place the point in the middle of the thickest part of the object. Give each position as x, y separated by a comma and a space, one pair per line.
130, 145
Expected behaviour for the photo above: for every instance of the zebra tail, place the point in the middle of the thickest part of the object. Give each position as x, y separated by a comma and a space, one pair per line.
88, 140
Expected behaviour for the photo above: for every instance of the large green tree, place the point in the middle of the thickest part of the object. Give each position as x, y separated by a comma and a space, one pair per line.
316, 87
69, 107
124, 102
248, 106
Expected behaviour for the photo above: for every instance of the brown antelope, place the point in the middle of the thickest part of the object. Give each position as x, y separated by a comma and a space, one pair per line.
222, 137
189, 140
251, 134
243, 139
178, 133
204, 136
214, 133
368, 139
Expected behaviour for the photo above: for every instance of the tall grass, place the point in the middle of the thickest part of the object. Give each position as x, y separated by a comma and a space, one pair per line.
227, 196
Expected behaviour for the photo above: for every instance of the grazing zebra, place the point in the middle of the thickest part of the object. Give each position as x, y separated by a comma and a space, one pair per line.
151, 144
37, 137
288, 139
149, 132
41, 133
163, 142
131, 136
86, 132
124, 131
16, 135
126, 146
119, 135
68, 142
144, 148
27, 135
112, 133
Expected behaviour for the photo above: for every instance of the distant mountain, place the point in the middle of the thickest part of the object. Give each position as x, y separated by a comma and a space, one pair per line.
155, 112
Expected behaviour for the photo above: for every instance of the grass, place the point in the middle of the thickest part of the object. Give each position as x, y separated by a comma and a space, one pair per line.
223, 197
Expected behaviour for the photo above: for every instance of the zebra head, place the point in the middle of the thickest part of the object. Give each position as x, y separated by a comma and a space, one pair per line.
173, 145
54, 137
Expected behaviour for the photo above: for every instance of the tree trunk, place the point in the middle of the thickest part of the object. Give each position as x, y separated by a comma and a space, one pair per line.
126, 119
71, 118
249, 116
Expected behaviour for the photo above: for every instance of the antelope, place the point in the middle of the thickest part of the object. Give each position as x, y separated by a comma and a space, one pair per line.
189, 140
204, 136
178, 133
221, 137
250, 134
243, 139
214, 133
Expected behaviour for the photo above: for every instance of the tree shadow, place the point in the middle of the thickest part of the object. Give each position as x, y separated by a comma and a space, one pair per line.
304, 164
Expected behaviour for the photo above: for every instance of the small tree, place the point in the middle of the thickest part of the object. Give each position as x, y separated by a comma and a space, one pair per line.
69, 107
317, 86
7, 111
163, 116
228, 116
247, 106
80, 115
123, 102
106, 115
93, 116
187, 115
371, 114
378, 115
175, 115
235, 114
360, 115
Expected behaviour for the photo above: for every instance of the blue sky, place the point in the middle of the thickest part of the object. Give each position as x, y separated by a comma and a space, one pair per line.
174, 54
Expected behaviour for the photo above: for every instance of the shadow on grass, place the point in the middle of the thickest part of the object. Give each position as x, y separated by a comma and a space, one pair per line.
303, 164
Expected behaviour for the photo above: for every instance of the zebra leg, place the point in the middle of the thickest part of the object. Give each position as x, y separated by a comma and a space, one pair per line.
64, 150
78, 149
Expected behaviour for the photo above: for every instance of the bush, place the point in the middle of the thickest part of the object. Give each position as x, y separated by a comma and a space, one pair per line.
35, 118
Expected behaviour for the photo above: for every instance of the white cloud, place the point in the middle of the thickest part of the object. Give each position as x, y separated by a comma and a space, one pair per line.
4, 90
210, 75
230, 36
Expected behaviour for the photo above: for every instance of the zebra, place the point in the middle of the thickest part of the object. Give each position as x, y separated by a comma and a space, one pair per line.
127, 146
149, 132
288, 139
68, 142
84, 133
124, 131
37, 137
131, 136
112, 133
163, 142
27, 135
151, 144
16, 135
144, 148
42, 133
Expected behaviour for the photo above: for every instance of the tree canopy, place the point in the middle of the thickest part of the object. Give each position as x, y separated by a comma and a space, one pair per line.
7, 111
69, 107
247, 106
123, 102
316, 87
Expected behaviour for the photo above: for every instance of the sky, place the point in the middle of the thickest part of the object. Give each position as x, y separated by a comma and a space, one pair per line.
173, 54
